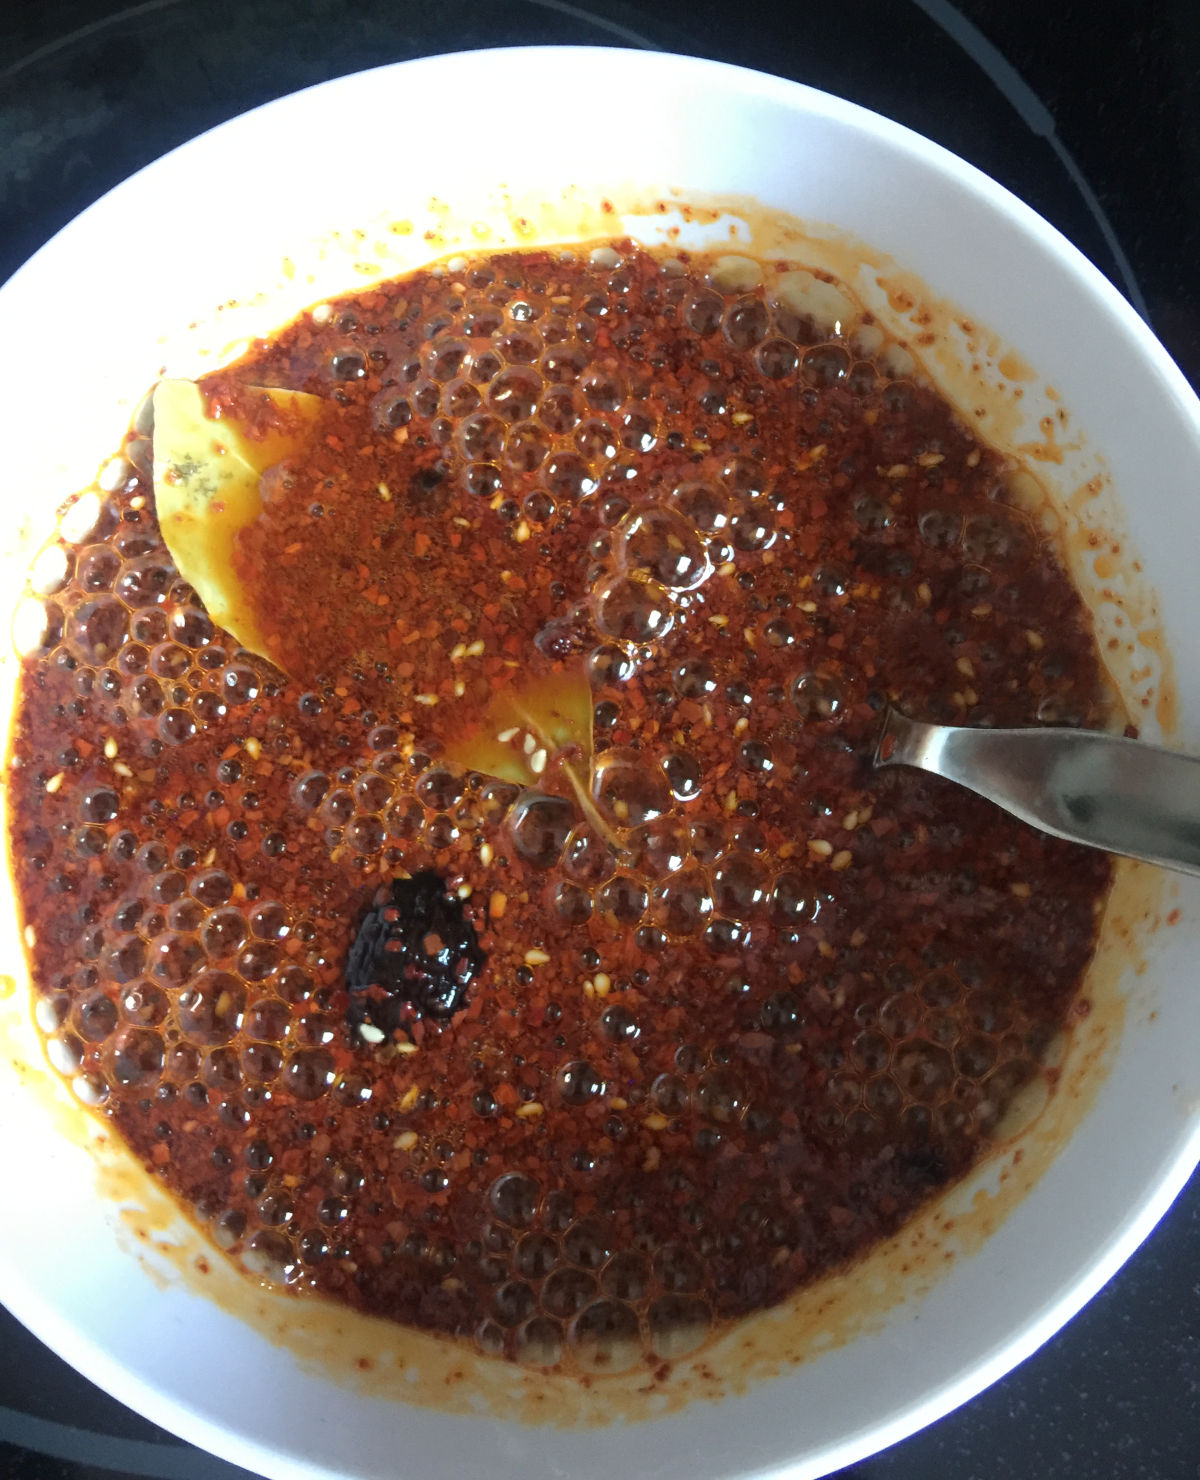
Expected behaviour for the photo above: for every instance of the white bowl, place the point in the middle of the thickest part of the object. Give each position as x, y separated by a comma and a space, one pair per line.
132, 286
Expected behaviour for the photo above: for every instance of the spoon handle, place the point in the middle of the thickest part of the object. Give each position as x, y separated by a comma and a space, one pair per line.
1101, 790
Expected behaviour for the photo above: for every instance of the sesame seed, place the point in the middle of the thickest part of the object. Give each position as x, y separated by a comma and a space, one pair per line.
112, 475
253, 747
1022, 891
369, 1033
55, 782
656, 1122
497, 904
537, 761
820, 846
406, 1048
486, 853
531, 1110
529, 744
842, 859
536, 957
411, 1095
506, 735
522, 532
405, 1141
429, 700
110, 749
965, 667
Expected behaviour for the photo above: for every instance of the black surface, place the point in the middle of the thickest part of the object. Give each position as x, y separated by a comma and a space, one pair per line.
1090, 111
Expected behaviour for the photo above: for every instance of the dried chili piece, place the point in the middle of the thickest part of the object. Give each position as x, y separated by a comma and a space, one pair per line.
414, 955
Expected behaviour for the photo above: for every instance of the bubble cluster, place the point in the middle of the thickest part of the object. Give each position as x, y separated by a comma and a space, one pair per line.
745, 1003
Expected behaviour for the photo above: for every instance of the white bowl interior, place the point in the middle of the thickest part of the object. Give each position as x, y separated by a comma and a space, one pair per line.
214, 221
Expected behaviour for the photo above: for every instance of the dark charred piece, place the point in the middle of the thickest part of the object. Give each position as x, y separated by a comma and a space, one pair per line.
414, 956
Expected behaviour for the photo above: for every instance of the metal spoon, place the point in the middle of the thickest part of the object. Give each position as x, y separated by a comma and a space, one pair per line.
1100, 790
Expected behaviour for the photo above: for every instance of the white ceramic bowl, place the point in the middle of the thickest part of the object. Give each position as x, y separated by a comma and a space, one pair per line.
213, 222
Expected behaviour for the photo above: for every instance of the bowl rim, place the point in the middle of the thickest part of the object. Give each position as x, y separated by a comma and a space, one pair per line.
32, 1306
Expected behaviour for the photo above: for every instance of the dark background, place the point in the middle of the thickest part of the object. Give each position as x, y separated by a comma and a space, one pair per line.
1090, 111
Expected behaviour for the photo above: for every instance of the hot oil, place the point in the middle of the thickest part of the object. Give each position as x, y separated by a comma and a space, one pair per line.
381, 1361
831, 1310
